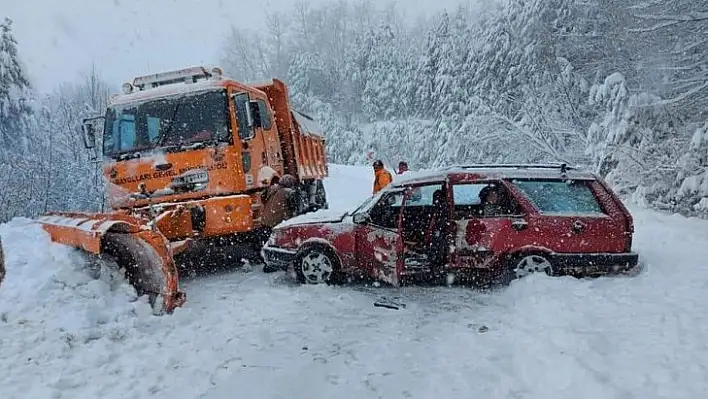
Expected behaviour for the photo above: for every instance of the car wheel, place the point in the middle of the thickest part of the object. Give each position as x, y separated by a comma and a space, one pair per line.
317, 265
524, 265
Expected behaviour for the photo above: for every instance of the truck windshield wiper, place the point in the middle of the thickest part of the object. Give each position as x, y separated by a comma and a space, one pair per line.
168, 130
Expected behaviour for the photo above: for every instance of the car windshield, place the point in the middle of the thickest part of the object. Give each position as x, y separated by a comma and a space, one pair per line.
166, 123
560, 197
364, 206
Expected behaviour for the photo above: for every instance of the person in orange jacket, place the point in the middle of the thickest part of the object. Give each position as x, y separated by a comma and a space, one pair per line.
382, 177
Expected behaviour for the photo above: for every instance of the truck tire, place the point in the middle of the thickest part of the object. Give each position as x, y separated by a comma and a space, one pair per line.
321, 195
318, 200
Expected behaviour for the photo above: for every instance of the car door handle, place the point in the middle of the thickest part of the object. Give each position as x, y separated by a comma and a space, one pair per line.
519, 225
578, 227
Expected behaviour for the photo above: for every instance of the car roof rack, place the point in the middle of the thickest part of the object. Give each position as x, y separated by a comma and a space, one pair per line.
562, 166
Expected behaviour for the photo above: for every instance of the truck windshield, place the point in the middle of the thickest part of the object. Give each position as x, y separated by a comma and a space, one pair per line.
172, 122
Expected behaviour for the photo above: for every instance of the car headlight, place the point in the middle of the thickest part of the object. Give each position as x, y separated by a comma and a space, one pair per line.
271, 240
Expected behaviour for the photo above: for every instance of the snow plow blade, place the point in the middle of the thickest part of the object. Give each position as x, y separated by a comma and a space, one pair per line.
143, 253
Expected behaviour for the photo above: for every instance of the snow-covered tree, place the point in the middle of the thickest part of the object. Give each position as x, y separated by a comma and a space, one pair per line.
617, 86
14, 89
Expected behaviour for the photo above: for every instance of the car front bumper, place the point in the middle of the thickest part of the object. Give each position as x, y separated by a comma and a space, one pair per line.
585, 265
278, 258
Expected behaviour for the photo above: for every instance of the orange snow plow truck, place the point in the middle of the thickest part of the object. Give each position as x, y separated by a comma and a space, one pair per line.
186, 155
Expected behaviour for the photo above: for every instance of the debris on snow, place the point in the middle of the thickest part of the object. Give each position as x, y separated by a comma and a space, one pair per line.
385, 302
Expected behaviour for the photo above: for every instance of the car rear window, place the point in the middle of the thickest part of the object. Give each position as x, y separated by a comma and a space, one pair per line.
561, 197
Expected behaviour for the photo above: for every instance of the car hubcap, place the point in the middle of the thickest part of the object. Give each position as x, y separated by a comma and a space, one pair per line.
316, 268
532, 264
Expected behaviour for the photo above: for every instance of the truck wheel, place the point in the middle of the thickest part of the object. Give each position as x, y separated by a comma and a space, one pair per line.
321, 195
317, 265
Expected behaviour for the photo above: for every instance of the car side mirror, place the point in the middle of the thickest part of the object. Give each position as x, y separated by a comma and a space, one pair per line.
361, 218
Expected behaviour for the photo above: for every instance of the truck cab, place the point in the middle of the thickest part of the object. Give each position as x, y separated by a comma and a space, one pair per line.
195, 140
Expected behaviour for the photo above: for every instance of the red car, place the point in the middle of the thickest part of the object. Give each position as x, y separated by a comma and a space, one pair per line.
493, 223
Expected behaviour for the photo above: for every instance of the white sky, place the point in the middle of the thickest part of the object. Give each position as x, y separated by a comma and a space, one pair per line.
60, 38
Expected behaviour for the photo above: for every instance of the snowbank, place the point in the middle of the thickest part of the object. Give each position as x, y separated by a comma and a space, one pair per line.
53, 313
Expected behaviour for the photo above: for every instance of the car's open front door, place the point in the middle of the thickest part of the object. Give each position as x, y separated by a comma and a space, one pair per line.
379, 243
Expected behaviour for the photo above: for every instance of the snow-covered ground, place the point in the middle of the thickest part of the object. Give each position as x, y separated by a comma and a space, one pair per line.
246, 334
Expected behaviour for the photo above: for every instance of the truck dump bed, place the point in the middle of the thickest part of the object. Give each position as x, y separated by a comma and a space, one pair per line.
301, 137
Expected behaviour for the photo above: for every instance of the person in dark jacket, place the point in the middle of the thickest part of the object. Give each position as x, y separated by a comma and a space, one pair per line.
271, 188
493, 201
281, 202
402, 167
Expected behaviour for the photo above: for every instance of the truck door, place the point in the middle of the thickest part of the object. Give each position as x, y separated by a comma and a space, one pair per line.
379, 245
272, 154
261, 146
246, 133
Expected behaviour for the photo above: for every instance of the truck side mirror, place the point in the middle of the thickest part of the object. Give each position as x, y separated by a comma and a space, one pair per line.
88, 128
89, 135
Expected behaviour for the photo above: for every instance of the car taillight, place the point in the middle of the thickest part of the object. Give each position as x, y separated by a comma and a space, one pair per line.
628, 241
629, 230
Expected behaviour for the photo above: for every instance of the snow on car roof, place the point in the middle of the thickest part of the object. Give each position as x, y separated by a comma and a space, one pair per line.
492, 171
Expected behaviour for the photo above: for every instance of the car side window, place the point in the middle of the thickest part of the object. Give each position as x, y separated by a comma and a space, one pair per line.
385, 213
484, 199
561, 197
422, 195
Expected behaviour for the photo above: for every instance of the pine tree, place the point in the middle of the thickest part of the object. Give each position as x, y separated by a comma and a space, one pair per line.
382, 72
14, 88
